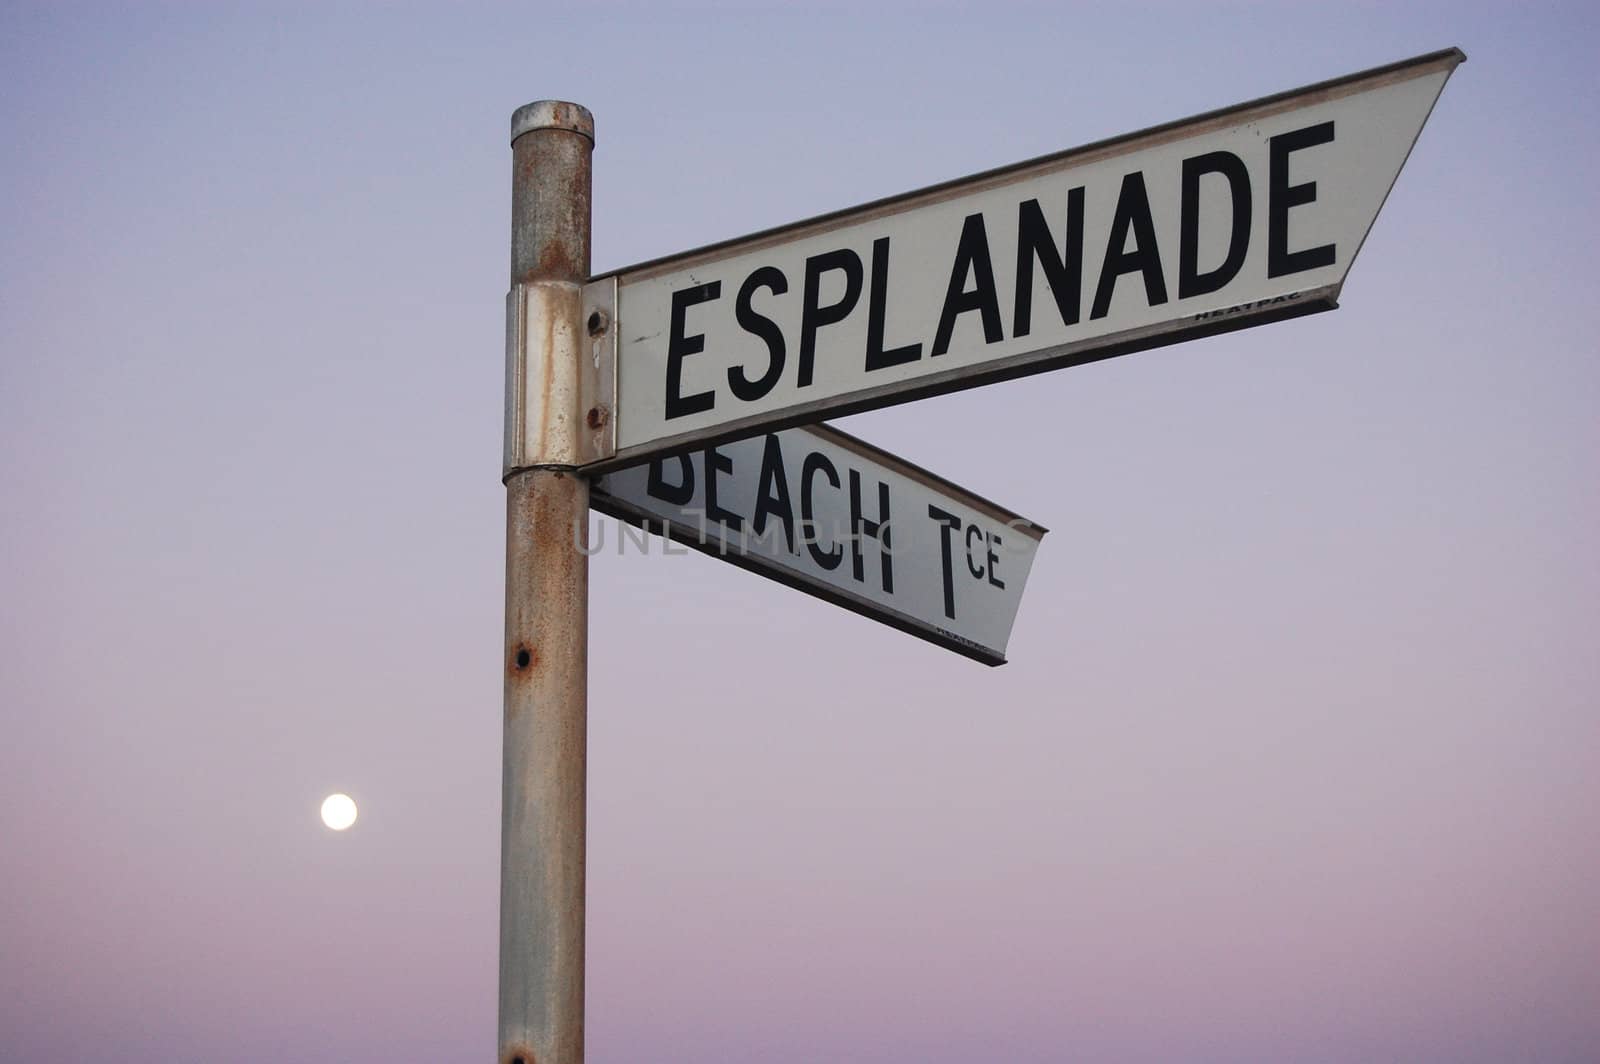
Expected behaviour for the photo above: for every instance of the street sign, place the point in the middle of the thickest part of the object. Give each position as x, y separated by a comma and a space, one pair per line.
620, 392
1233, 218
823, 512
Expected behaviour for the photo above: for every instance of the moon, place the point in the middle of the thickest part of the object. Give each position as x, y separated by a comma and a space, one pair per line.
338, 811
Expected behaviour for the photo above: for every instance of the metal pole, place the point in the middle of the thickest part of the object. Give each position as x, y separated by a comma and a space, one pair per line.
547, 616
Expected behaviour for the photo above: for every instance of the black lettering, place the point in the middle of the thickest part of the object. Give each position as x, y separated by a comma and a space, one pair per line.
994, 541
949, 523
1133, 212
972, 256
717, 462
814, 317
1191, 282
678, 494
769, 501
974, 569
879, 530
877, 357
813, 464
1281, 196
679, 346
1064, 272
758, 324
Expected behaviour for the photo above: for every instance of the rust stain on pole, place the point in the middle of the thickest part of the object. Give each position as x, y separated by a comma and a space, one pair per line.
550, 201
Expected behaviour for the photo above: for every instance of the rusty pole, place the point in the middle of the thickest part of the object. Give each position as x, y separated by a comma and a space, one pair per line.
547, 601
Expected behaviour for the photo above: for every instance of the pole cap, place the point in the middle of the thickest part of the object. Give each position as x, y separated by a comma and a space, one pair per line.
552, 114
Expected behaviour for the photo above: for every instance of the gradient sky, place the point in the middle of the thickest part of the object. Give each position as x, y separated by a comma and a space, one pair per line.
1297, 757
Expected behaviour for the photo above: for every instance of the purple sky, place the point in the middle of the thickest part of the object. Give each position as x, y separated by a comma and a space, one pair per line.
1297, 757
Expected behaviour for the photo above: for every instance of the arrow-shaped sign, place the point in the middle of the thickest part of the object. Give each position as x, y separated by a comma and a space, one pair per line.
1233, 218
823, 512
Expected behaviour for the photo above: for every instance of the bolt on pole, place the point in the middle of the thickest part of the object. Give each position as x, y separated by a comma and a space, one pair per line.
547, 598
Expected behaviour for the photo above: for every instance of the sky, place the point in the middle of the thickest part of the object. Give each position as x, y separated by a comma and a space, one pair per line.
1297, 753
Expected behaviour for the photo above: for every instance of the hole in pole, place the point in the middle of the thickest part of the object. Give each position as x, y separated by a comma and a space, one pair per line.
524, 658
597, 323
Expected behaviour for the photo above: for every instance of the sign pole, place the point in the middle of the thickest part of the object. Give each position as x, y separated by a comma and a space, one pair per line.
547, 599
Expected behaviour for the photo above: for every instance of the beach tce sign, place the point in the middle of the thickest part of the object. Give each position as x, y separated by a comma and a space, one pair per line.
827, 514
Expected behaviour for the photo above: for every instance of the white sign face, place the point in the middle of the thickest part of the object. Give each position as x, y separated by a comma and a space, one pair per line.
1233, 218
823, 512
